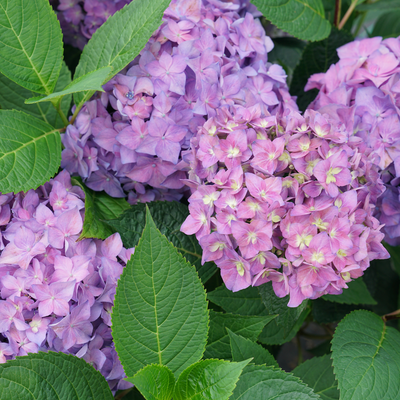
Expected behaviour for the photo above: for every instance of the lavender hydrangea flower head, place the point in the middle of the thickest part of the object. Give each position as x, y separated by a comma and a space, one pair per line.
207, 57
284, 198
364, 85
56, 293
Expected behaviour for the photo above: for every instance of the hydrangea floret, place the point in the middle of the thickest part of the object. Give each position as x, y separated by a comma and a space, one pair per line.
365, 85
283, 198
57, 292
206, 55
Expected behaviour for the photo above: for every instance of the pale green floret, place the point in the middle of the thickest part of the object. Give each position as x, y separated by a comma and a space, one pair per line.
240, 268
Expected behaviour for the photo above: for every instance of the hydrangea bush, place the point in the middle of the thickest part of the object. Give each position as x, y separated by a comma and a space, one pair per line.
274, 222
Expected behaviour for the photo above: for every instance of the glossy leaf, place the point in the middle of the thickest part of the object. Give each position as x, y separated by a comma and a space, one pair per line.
208, 379
357, 293
218, 345
30, 44
91, 81
160, 311
99, 208
317, 57
13, 96
119, 40
49, 376
168, 217
366, 357
304, 19
243, 349
155, 382
317, 373
289, 320
30, 151
261, 382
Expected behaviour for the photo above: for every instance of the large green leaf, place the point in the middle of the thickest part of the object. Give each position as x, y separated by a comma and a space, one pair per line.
283, 328
168, 217
120, 39
155, 382
261, 382
304, 19
99, 208
357, 293
379, 5
208, 380
388, 24
218, 345
243, 302
317, 57
49, 376
90, 81
317, 373
160, 311
30, 44
366, 358
243, 349
30, 151
13, 96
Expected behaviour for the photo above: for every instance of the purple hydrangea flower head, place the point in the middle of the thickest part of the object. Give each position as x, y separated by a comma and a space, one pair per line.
208, 58
57, 293
363, 88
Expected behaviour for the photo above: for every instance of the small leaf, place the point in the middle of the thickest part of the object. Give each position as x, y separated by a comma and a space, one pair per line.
388, 25
168, 217
119, 40
160, 310
283, 328
99, 208
366, 356
243, 302
155, 382
304, 19
317, 373
218, 345
49, 376
91, 81
30, 151
208, 379
316, 57
261, 382
243, 349
13, 96
30, 44
357, 293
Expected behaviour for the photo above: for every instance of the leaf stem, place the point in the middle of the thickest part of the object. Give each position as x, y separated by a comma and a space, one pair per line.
338, 11
392, 315
348, 13
61, 113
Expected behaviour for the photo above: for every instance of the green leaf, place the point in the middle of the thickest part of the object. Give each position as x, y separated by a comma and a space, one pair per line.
283, 328
168, 217
30, 44
261, 382
208, 379
325, 312
379, 5
218, 345
13, 96
155, 382
91, 81
244, 302
357, 293
317, 57
119, 40
304, 19
49, 376
388, 25
317, 373
366, 357
30, 151
99, 208
394, 256
160, 310
243, 349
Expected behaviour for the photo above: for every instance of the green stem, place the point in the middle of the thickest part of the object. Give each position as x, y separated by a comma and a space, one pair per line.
61, 113
348, 13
